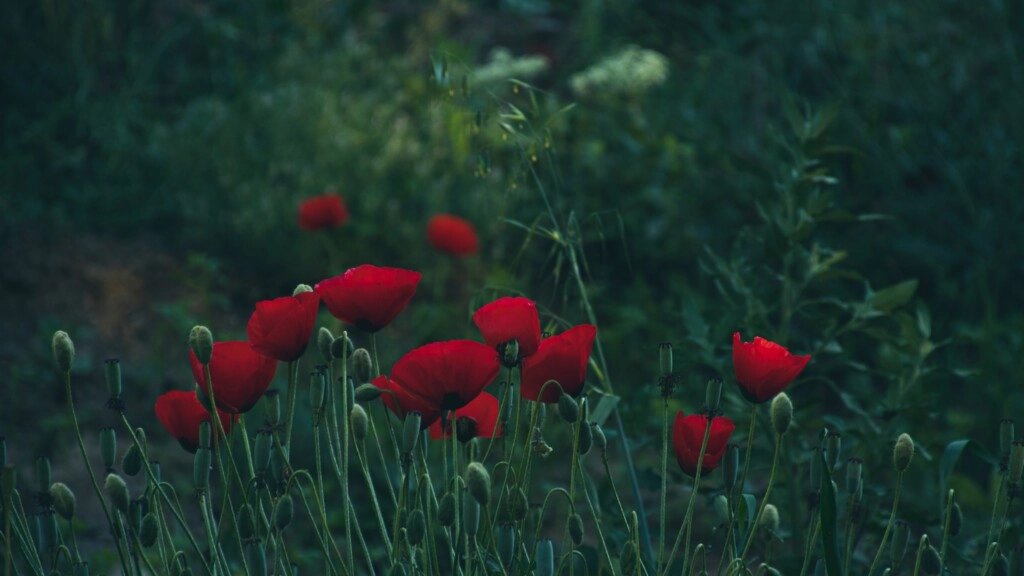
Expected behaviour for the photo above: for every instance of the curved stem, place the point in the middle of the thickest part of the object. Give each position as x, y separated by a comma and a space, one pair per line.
293, 376
764, 500
688, 520
888, 525
664, 482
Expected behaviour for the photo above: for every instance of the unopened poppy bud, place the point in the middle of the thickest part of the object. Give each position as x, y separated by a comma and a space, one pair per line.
131, 462
781, 413
117, 492
201, 469
903, 452
833, 446
730, 466
283, 512
1007, 434
64, 502
854, 471
931, 564
246, 523
586, 439
900, 541
108, 448
446, 510
63, 351
360, 422
713, 395
519, 505
770, 519
575, 526
1016, 466
478, 480
545, 557
204, 434
506, 537
317, 386
411, 432
256, 557
150, 530
721, 507
600, 440
956, 519
44, 477
324, 340
568, 409
136, 509
200, 340
272, 408
416, 527
510, 355
112, 372
342, 346
367, 393
264, 445
627, 557
665, 358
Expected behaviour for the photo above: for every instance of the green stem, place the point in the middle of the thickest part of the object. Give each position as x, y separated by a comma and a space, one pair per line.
888, 525
848, 548
945, 529
664, 483
688, 520
293, 376
764, 501
812, 538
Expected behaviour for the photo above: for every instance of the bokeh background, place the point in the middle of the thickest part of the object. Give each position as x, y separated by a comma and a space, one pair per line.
154, 154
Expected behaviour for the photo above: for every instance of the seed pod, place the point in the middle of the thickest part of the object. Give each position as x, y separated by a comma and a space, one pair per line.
324, 340
150, 530
568, 409
545, 557
478, 480
108, 448
410, 432
131, 462
283, 512
64, 502
665, 358
903, 452
506, 537
446, 510
575, 527
63, 351
112, 373
117, 492
200, 340
713, 395
272, 408
201, 469
416, 527
360, 422
781, 413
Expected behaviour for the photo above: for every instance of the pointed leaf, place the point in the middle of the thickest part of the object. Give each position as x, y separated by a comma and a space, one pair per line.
894, 296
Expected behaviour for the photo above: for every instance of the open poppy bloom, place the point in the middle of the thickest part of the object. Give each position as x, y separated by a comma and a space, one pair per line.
181, 413
438, 377
281, 328
562, 358
764, 368
322, 212
506, 319
688, 435
240, 375
452, 235
478, 419
369, 297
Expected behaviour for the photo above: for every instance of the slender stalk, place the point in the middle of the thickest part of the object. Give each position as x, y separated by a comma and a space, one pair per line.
812, 538
888, 525
293, 376
664, 482
848, 548
945, 529
688, 520
764, 501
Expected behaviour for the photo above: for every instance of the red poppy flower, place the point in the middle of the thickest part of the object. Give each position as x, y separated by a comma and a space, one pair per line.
439, 377
452, 235
764, 368
478, 419
562, 358
322, 212
240, 375
510, 318
369, 297
688, 435
281, 328
180, 412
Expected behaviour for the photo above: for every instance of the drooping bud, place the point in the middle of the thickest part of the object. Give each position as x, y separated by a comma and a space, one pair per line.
545, 557
283, 512
256, 557
833, 446
131, 462
1007, 435
64, 502
781, 413
713, 395
246, 523
415, 527
900, 541
108, 448
117, 492
586, 439
201, 469
63, 351
730, 466
903, 452
360, 422
150, 530
367, 393
44, 477
770, 519
568, 409
200, 340
342, 346
1016, 466
272, 408
446, 510
478, 480
324, 340
575, 526
854, 471
113, 377
931, 564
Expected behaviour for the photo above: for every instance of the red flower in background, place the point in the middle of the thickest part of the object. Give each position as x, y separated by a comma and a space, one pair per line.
510, 318
478, 419
688, 435
438, 377
181, 413
764, 368
562, 358
281, 328
322, 212
369, 297
240, 375
452, 235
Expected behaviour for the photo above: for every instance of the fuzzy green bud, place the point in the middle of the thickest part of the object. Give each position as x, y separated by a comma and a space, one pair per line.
117, 492
713, 395
545, 557
568, 409
931, 564
284, 510
506, 537
854, 472
900, 541
150, 530
361, 365
63, 351
781, 413
324, 340
415, 527
200, 340
44, 476
446, 510
770, 519
342, 346
665, 357
272, 408
1016, 466
730, 466
575, 526
108, 448
478, 480
410, 433
360, 422
903, 452
367, 393
112, 372
586, 439
256, 557
301, 289
833, 446
201, 468
64, 502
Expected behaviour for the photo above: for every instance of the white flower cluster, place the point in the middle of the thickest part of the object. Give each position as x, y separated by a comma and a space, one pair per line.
631, 71
503, 66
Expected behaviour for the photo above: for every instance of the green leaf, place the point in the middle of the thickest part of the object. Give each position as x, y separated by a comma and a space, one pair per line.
951, 455
894, 296
745, 518
827, 512
601, 409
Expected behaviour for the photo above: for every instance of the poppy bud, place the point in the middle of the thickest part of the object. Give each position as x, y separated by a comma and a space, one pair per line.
930, 562
272, 408
730, 466
367, 393
317, 385
721, 506
342, 346
545, 557
150, 530
200, 340
833, 445
575, 526
204, 434
506, 537
283, 512
568, 409
361, 365
854, 469
117, 492
770, 519
261, 453
246, 523
446, 510
201, 469
665, 358
903, 452
136, 508
324, 340
131, 462
256, 556
713, 395
360, 422
108, 448
410, 432
1016, 466
64, 502
478, 480
900, 541
599, 438
1007, 435
416, 527
519, 505
510, 355
301, 288
43, 475
781, 413
585, 440
113, 377
63, 351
